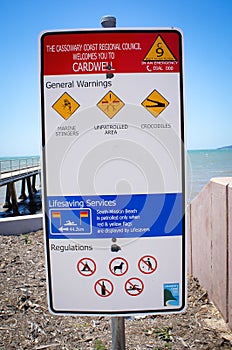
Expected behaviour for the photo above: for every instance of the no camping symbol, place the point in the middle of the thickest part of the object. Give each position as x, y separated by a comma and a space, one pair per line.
86, 267
147, 264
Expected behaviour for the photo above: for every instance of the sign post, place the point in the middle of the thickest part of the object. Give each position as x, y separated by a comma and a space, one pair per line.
117, 323
113, 163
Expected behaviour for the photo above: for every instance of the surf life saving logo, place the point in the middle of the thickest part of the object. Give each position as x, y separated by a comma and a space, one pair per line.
171, 293
159, 51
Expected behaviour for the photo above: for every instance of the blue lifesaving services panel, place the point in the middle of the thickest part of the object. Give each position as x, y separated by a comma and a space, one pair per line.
107, 216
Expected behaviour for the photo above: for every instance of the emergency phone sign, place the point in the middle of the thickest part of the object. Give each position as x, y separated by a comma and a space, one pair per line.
113, 166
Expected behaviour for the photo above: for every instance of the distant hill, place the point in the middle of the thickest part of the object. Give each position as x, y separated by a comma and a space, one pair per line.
225, 147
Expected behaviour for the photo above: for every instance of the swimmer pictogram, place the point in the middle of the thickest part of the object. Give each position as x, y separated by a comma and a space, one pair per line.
134, 286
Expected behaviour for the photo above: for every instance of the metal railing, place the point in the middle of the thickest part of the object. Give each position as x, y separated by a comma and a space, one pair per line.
18, 164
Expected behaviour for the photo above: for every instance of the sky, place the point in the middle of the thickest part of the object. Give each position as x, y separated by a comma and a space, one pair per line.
207, 30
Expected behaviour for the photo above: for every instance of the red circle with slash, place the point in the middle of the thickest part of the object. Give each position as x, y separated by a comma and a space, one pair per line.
86, 267
134, 286
118, 266
104, 287
147, 264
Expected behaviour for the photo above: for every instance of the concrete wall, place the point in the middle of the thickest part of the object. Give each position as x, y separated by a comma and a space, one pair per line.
210, 242
21, 224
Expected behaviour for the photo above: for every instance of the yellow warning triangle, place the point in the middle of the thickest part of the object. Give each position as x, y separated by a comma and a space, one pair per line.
159, 52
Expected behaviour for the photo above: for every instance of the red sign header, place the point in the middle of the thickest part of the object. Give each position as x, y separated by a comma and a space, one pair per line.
109, 52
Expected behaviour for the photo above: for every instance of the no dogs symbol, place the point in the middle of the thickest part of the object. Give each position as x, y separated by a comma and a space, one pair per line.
118, 266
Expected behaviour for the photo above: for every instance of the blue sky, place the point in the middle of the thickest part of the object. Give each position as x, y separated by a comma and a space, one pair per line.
207, 29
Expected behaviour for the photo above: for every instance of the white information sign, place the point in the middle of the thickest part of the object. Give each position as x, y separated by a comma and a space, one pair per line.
113, 162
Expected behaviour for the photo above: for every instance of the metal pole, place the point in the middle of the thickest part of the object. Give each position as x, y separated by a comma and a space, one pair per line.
117, 323
118, 333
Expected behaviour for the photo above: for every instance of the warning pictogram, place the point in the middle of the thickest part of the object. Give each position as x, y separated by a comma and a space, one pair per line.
104, 287
86, 267
147, 264
65, 106
110, 104
134, 286
155, 103
118, 266
159, 52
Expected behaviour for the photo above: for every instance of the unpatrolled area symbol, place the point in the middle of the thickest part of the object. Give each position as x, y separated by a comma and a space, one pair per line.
110, 104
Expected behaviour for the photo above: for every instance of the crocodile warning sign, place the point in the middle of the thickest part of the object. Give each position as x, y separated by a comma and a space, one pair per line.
155, 103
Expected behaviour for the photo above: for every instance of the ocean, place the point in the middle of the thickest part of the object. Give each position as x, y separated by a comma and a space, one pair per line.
202, 165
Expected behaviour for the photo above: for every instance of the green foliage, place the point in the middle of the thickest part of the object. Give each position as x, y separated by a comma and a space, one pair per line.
163, 334
167, 346
98, 345
27, 239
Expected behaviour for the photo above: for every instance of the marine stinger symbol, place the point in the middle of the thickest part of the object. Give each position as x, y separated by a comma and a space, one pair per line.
67, 105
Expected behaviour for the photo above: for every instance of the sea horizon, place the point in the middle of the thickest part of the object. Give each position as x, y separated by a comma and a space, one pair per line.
201, 166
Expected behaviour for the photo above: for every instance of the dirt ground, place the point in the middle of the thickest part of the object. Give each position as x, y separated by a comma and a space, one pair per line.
25, 322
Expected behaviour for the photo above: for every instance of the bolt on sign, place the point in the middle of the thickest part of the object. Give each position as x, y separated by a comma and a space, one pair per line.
113, 165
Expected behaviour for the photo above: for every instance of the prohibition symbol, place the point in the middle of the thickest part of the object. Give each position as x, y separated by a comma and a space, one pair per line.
110, 104
86, 267
65, 106
134, 286
104, 288
118, 266
147, 264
